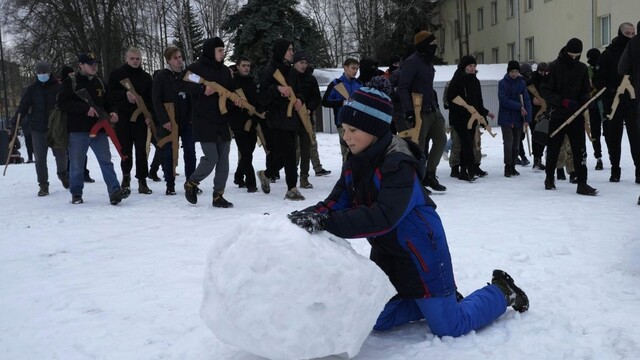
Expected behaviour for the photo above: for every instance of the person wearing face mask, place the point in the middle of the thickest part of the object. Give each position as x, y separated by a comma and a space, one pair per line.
565, 89
132, 135
39, 99
625, 113
210, 126
416, 76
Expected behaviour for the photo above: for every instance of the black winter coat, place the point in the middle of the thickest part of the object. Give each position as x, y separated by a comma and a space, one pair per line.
41, 99
142, 83
164, 91
567, 79
209, 125
467, 86
630, 63
76, 109
608, 73
239, 117
310, 90
272, 101
416, 76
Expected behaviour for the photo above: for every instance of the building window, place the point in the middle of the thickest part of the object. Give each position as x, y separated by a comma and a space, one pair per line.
529, 49
495, 55
480, 57
528, 5
511, 51
480, 19
510, 9
494, 12
605, 30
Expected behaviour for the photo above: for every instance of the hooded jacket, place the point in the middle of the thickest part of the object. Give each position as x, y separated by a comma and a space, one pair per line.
630, 62
467, 86
379, 196
142, 83
567, 79
270, 98
607, 74
509, 91
41, 99
209, 125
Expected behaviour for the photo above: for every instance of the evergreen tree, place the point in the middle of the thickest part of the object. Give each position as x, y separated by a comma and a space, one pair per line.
195, 35
260, 22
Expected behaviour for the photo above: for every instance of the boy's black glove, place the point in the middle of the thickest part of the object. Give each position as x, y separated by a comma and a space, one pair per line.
310, 221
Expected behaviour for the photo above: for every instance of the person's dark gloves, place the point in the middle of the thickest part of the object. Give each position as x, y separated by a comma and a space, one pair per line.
310, 221
410, 118
569, 104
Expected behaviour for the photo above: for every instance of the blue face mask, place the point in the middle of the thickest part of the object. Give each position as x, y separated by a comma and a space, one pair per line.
43, 77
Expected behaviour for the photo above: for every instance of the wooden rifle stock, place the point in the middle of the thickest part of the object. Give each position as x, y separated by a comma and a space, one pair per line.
170, 108
475, 115
103, 122
414, 132
543, 104
579, 111
302, 111
141, 108
625, 85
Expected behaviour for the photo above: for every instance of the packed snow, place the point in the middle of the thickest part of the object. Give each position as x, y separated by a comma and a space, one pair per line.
274, 290
95, 281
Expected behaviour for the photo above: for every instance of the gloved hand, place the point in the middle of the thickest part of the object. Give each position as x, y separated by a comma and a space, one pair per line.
310, 221
569, 104
410, 118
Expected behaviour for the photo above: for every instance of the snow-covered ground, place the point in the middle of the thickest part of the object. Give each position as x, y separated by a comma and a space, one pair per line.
96, 281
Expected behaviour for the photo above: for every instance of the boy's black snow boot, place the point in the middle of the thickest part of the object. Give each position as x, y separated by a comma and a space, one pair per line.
191, 191
585, 189
549, 183
516, 298
560, 174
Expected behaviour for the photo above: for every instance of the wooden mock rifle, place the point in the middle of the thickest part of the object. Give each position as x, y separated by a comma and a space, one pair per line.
625, 85
103, 122
223, 94
302, 111
414, 132
141, 108
11, 143
475, 115
543, 104
579, 111
525, 127
342, 90
170, 108
247, 126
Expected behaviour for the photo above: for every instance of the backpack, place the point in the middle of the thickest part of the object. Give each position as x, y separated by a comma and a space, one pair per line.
57, 136
445, 102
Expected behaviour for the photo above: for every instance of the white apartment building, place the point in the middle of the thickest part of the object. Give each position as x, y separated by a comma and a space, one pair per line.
496, 31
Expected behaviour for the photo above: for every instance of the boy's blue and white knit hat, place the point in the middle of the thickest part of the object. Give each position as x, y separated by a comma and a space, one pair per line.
369, 110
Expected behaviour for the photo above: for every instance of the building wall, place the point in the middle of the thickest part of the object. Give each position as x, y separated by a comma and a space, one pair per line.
549, 23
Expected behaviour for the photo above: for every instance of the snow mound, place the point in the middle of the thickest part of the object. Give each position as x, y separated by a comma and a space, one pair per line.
274, 290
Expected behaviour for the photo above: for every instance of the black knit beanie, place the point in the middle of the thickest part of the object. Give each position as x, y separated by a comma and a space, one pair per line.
466, 61
513, 65
574, 46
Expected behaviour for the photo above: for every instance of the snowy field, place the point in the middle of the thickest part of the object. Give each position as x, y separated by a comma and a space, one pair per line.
96, 281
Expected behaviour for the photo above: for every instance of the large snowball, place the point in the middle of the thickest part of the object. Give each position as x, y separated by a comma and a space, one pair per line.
276, 291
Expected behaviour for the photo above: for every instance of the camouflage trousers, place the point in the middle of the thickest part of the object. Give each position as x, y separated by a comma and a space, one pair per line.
454, 156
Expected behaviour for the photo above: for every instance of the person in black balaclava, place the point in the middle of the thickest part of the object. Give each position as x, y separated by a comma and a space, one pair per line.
210, 127
608, 76
595, 115
273, 98
565, 89
416, 76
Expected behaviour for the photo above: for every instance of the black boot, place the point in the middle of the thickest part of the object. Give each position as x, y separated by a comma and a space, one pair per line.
514, 172
221, 202
514, 296
455, 171
143, 188
171, 190
538, 165
549, 183
615, 174
585, 189
64, 179
478, 171
431, 180
573, 178
191, 191
153, 175
465, 174
44, 189
599, 164
126, 185
507, 171
560, 174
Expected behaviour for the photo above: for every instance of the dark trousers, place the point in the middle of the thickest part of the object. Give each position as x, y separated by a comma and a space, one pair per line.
466, 137
246, 142
304, 144
511, 144
575, 132
595, 118
283, 155
537, 149
625, 115
188, 155
132, 134
28, 143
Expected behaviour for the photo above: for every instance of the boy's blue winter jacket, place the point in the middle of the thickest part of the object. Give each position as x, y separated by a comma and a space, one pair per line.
379, 196
509, 91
